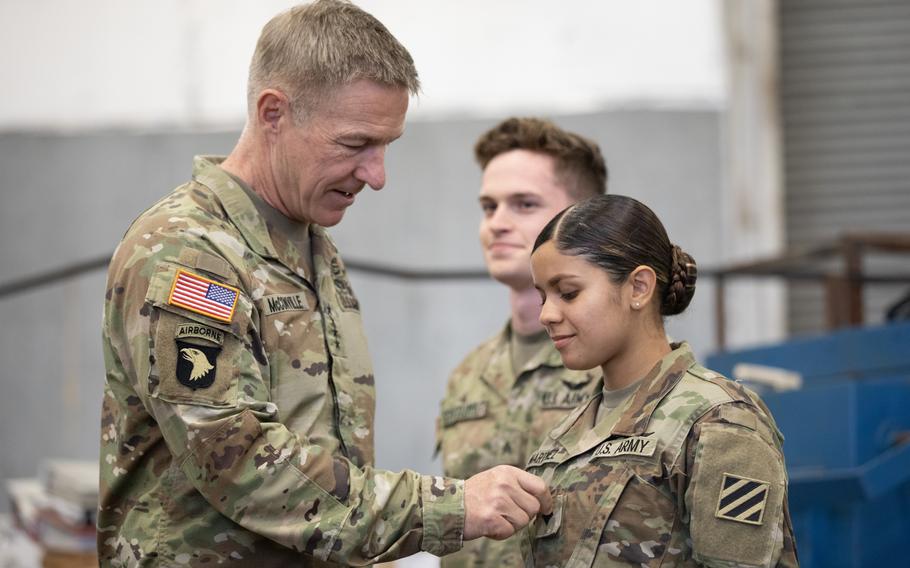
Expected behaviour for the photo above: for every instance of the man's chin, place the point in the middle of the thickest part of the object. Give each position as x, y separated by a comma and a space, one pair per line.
329, 218
513, 278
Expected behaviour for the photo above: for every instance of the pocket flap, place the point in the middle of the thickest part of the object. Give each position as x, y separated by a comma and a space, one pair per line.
548, 525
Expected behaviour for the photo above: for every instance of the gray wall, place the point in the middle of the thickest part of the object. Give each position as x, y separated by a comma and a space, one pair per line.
66, 199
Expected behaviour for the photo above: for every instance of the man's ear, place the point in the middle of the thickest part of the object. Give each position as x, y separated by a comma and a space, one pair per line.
271, 107
643, 281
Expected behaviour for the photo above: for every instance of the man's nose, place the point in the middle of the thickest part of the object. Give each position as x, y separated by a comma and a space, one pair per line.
499, 220
371, 170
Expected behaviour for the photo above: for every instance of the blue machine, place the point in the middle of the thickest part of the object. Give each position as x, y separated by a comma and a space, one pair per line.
847, 445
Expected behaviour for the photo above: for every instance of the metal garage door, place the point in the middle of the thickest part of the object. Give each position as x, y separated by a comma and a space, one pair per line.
845, 98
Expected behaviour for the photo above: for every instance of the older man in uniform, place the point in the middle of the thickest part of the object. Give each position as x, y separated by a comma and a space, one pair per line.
237, 426
511, 390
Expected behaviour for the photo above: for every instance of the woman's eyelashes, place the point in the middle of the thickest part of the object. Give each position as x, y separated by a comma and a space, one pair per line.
568, 296
564, 296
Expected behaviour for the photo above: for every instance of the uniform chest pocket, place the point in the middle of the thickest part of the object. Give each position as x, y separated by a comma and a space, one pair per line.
288, 321
294, 345
548, 525
639, 527
584, 500
631, 522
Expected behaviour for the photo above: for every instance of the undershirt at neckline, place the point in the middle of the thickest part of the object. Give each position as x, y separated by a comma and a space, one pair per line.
522, 348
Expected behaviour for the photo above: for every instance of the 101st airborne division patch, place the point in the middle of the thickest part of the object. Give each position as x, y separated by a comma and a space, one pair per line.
196, 364
742, 499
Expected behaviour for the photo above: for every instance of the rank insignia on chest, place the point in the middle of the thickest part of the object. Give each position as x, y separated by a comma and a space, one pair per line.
196, 364
742, 499
343, 287
203, 296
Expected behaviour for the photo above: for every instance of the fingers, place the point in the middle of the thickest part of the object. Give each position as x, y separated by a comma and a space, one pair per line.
522, 500
499, 528
501, 501
536, 487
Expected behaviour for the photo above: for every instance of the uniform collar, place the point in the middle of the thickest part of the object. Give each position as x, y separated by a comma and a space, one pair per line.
579, 434
546, 355
330, 271
659, 381
500, 375
497, 370
273, 240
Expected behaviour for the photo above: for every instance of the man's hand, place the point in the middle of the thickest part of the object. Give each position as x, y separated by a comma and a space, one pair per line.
502, 500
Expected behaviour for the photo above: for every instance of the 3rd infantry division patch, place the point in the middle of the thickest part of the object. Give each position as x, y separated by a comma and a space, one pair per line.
742, 499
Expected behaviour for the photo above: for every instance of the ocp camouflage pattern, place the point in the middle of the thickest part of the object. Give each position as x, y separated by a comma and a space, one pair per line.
643, 486
492, 415
271, 464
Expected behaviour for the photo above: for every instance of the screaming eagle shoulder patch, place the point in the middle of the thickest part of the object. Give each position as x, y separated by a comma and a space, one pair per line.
196, 364
203, 296
742, 499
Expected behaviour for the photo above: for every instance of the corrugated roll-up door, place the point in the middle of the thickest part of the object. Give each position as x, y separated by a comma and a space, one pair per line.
845, 98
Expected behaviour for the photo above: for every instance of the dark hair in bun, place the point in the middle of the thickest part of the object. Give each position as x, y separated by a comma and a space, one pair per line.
619, 234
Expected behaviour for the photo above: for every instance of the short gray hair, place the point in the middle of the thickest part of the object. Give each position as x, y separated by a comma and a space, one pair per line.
313, 48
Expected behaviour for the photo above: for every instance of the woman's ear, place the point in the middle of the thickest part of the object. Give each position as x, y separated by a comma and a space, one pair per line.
643, 283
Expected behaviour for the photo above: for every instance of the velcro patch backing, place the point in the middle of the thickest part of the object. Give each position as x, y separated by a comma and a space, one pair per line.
736, 474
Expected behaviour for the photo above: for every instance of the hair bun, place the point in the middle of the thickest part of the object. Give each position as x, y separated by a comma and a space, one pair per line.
681, 287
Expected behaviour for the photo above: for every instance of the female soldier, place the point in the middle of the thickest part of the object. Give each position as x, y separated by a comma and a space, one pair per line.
672, 464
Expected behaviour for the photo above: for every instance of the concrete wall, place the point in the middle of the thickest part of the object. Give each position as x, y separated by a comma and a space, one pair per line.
65, 199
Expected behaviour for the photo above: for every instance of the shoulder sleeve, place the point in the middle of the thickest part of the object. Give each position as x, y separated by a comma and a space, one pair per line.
736, 494
201, 380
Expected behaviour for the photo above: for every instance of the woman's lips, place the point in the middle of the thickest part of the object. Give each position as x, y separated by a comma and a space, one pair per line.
560, 341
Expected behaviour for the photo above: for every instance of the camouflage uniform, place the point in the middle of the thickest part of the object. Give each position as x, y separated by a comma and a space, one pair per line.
246, 440
490, 417
687, 472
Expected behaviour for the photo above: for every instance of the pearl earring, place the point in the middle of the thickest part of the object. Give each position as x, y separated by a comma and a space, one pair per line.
636, 305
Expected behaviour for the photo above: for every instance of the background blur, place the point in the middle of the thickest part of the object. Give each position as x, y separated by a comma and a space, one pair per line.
751, 128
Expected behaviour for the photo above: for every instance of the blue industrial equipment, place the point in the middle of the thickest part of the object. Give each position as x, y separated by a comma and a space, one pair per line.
847, 446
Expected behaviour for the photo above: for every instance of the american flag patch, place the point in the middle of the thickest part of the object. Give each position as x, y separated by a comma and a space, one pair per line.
203, 296
742, 499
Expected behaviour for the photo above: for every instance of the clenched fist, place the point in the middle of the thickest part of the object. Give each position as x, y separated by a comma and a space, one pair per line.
502, 500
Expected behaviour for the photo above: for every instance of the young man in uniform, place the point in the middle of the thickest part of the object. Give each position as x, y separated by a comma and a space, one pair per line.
237, 424
512, 389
